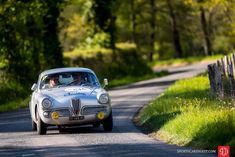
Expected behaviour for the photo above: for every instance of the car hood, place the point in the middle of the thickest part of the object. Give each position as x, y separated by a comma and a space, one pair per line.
61, 93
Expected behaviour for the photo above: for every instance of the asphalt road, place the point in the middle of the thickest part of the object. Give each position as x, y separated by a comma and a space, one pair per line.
17, 139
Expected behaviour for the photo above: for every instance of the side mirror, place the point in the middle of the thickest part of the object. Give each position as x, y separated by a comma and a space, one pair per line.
106, 82
34, 87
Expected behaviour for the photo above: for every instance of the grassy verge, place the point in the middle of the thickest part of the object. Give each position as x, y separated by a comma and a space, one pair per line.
187, 115
14, 105
183, 61
13, 96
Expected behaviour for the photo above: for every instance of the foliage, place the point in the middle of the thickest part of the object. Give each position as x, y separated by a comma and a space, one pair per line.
104, 18
28, 45
12, 96
93, 51
29, 42
76, 28
185, 61
127, 63
11, 91
14, 105
179, 24
186, 114
51, 46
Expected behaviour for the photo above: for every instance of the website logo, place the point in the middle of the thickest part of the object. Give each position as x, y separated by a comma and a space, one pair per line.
223, 151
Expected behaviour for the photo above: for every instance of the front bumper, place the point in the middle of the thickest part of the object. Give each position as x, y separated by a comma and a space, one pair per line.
87, 115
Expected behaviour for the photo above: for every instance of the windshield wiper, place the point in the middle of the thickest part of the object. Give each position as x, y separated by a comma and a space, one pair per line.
71, 82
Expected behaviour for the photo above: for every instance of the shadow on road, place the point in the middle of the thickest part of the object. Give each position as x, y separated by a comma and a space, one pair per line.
124, 150
70, 130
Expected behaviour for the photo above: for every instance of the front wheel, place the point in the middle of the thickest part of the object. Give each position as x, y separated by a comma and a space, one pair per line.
34, 125
96, 125
61, 129
41, 126
108, 123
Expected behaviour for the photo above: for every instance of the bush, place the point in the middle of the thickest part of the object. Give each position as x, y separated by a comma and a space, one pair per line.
126, 63
221, 45
11, 91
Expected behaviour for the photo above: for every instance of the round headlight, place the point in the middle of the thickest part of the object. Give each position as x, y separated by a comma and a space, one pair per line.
103, 99
46, 103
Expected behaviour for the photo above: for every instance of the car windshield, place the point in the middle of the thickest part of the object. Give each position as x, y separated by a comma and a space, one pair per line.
57, 80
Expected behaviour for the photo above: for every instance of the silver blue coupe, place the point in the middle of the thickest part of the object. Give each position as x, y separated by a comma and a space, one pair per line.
69, 97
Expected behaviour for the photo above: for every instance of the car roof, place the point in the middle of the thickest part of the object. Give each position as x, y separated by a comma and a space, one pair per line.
68, 69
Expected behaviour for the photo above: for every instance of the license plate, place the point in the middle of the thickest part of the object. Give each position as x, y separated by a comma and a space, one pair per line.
76, 118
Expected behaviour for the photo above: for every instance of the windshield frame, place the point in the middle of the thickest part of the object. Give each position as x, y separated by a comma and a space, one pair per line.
95, 82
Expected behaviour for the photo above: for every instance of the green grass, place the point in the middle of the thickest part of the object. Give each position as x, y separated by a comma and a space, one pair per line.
86, 53
94, 51
187, 114
183, 61
14, 105
13, 96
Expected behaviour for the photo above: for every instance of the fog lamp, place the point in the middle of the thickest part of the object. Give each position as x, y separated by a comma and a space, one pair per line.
55, 115
100, 115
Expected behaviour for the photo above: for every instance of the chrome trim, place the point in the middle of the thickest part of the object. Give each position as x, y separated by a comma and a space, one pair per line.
89, 110
75, 106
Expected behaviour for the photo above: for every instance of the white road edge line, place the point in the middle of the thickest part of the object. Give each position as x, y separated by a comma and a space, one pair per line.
28, 154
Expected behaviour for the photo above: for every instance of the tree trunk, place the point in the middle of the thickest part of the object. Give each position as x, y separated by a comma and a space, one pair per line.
112, 32
175, 31
133, 21
206, 34
52, 49
153, 26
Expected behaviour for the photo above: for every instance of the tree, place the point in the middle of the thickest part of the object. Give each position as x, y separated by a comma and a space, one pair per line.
159, 28
212, 21
52, 49
153, 29
133, 21
29, 43
205, 29
104, 17
175, 31
75, 25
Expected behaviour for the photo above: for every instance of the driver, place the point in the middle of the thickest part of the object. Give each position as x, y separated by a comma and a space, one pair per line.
78, 79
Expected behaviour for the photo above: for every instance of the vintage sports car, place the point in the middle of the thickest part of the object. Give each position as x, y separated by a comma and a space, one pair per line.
69, 97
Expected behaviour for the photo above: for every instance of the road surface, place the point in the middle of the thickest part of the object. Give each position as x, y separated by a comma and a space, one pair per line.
17, 139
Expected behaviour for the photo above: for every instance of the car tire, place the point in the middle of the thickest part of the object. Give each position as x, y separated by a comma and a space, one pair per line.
96, 125
34, 125
61, 129
108, 123
41, 126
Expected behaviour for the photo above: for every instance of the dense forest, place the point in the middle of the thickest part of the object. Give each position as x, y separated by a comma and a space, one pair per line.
166, 28
37, 35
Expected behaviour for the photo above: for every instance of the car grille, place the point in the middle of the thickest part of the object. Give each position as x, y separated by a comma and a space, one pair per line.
75, 105
93, 110
63, 113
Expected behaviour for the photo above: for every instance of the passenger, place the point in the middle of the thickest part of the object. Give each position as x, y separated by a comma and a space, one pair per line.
53, 82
